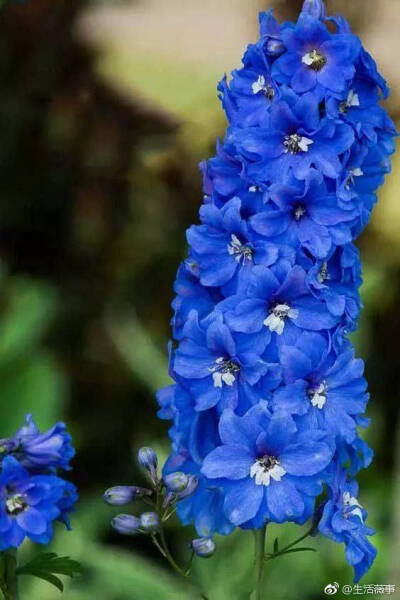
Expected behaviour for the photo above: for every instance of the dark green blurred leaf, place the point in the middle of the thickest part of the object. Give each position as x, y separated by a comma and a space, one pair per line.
45, 566
138, 350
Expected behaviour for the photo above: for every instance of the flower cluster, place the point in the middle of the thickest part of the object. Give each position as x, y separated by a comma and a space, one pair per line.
32, 495
268, 396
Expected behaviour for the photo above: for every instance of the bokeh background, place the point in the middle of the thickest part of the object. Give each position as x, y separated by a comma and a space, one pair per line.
106, 109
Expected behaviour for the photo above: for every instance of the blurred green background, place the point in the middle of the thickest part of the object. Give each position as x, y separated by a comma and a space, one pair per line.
105, 111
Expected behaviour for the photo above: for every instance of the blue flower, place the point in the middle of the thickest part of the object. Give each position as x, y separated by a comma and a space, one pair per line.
248, 97
221, 367
336, 281
328, 392
343, 520
226, 250
278, 305
359, 108
224, 177
295, 138
316, 59
306, 215
37, 450
28, 504
266, 466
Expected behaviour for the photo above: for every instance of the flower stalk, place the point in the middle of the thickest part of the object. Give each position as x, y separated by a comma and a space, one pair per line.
259, 552
9, 576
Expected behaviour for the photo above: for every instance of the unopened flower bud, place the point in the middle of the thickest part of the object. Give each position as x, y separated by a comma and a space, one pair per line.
147, 459
314, 8
189, 489
203, 547
169, 499
123, 494
176, 482
149, 522
126, 524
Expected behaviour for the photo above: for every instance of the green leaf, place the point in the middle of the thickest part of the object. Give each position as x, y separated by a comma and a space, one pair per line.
297, 550
46, 576
44, 566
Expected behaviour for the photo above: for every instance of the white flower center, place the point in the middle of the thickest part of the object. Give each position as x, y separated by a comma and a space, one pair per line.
318, 396
348, 502
15, 504
224, 371
239, 250
299, 212
296, 143
314, 59
323, 273
352, 100
254, 188
357, 172
277, 317
265, 469
262, 86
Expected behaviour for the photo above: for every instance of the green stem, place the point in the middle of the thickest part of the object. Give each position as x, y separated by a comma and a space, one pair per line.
9, 583
259, 551
283, 550
169, 556
163, 546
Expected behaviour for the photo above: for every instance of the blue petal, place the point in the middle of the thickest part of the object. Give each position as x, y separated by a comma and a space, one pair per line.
306, 459
228, 462
242, 501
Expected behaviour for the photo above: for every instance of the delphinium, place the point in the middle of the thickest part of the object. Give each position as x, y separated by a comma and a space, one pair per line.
269, 398
33, 496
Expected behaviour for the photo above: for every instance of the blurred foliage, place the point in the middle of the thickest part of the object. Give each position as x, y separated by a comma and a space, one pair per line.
97, 189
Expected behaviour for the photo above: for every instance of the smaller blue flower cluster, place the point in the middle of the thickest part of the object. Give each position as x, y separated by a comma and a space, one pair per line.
32, 495
269, 397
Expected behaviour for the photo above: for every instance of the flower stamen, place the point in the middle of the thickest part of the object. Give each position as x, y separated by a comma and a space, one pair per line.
16, 504
315, 60
267, 468
262, 86
318, 395
296, 143
239, 251
323, 273
350, 502
278, 315
224, 371
356, 172
352, 100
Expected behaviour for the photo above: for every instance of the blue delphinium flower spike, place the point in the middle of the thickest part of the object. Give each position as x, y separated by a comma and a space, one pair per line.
268, 395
